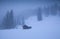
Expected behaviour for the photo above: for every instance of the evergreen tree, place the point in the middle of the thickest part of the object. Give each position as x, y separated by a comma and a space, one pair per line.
5, 20
54, 9
8, 20
46, 11
23, 22
11, 19
39, 14
59, 10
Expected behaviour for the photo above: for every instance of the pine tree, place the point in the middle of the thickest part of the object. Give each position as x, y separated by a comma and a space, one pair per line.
23, 22
39, 14
54, 9
59, 10
8, 20
11, 19
46, 11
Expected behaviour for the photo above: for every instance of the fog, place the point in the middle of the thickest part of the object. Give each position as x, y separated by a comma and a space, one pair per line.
29, 19
22, 7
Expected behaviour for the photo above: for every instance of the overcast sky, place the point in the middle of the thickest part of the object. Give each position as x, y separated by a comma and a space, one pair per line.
29, 0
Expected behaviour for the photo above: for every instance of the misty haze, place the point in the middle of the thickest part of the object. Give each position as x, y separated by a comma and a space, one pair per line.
29, 19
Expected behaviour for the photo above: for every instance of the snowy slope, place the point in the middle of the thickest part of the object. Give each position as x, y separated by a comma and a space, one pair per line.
48, 28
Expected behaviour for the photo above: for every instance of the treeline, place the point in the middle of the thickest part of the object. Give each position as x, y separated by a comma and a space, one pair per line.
9, 21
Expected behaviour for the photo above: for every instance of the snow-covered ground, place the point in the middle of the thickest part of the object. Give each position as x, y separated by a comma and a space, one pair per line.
48, 28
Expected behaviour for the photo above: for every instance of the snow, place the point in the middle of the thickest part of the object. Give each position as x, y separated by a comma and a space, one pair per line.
48, 28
